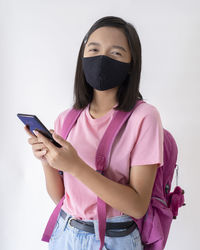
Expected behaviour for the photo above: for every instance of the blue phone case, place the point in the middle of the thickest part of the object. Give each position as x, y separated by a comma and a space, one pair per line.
35, 124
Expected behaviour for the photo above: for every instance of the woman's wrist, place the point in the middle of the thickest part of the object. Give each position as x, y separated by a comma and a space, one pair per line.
45, 163
78, 168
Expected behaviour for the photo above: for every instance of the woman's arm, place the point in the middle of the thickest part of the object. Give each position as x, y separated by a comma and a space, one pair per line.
132, 200
54, 183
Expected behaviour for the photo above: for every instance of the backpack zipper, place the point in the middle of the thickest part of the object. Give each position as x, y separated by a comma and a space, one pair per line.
164, 202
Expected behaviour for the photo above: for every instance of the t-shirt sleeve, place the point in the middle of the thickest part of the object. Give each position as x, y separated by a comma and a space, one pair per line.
148, 148
59, 121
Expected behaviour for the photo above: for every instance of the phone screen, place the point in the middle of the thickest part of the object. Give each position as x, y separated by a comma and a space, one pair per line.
34, 123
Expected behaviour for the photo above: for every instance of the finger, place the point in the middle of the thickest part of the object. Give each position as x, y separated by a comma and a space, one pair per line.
51, 130
37, 146
41, 153
28, 131
45, 140
59, 139
33, 140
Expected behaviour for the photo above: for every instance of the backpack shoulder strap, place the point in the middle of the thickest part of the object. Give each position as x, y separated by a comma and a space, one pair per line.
69, 121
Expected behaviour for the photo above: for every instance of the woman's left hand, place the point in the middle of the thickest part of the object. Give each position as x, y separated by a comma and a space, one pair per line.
65, 158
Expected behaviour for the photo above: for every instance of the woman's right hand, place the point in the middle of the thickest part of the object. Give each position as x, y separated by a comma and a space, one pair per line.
38, 148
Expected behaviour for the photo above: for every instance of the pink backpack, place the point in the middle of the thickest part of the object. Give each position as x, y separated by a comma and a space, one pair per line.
154, 226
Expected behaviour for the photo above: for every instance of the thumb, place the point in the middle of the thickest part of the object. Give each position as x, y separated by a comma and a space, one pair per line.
59, 139
51, 131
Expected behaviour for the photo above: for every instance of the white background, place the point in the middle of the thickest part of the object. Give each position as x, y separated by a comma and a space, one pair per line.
39, 45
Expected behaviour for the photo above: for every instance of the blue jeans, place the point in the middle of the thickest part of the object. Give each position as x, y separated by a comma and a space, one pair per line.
66, 237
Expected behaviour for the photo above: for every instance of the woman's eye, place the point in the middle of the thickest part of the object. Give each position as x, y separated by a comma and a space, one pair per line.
93, 50
117, 53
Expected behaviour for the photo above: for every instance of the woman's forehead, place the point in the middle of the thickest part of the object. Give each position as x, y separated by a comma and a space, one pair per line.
109, 35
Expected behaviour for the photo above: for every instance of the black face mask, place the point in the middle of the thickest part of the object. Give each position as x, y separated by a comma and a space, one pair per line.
103, 72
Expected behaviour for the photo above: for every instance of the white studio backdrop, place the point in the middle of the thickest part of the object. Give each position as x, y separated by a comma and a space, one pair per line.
39, 45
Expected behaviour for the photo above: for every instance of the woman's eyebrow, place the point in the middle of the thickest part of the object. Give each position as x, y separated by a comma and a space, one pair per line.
114, 46
119, 47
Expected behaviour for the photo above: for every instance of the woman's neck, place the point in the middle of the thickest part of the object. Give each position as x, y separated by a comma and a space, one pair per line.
103, 100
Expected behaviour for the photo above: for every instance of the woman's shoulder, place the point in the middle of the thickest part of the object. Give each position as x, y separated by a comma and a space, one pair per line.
144, 110
61, 117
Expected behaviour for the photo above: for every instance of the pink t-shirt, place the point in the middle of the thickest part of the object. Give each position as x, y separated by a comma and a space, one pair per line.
140, 142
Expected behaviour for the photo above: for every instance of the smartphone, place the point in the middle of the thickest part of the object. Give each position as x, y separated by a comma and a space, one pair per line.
34, 123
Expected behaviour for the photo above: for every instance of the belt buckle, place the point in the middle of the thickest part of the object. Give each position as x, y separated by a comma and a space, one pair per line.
70, 219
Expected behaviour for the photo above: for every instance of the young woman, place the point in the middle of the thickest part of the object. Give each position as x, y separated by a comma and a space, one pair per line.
107, 79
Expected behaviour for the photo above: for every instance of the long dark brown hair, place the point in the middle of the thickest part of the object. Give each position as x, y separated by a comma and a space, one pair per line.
128, 92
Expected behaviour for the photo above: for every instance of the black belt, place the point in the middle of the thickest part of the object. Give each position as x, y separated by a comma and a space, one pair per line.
125, 227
